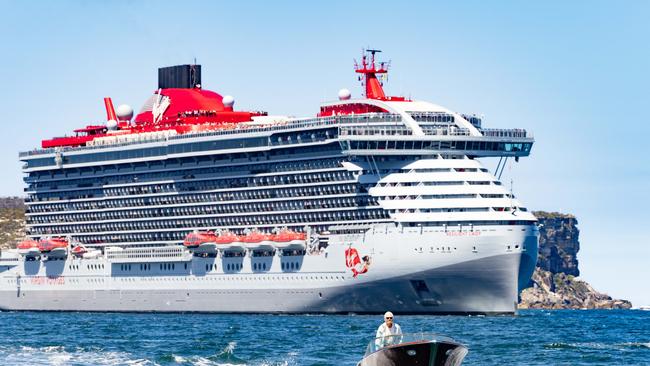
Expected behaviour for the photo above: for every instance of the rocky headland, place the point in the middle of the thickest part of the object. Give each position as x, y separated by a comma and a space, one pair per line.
553, 286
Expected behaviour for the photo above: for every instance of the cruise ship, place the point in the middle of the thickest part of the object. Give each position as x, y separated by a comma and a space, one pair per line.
374, 203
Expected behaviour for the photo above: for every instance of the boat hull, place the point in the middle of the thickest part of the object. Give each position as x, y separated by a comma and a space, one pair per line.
460, 281
473, 287
422, 353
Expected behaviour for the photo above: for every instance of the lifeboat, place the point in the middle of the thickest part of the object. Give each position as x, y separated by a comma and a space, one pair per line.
29, 248
201, 242
79, 250
256, 240
289, 239
54, 247
229, 242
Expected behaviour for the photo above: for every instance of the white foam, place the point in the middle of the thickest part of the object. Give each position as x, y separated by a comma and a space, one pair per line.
58, 355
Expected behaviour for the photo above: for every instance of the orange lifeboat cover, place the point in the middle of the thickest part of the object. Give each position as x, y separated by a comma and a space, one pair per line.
198, 238
28, 244
46, 245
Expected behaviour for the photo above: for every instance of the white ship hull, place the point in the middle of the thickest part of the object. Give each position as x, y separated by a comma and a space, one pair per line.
460, 279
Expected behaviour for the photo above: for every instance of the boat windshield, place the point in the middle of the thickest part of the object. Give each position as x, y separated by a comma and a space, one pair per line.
455, 354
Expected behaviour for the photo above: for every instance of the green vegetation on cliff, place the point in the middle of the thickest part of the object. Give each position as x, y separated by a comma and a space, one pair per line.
12, 221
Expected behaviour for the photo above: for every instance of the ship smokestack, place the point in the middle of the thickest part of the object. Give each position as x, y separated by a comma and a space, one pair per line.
180, 76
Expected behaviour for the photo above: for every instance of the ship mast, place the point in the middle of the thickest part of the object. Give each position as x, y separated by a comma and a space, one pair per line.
369, 68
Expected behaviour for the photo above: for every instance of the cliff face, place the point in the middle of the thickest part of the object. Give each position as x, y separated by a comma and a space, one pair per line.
558, 243
553, 285
12, 221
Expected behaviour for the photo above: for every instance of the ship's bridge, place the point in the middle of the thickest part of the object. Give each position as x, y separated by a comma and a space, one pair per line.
421, 128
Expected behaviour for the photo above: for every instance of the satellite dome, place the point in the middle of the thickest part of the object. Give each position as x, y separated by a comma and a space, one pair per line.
111, 124
344, 94
228, 101
124, 112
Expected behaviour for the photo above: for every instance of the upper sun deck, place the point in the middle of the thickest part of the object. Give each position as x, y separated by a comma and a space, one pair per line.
376, 124
365, 134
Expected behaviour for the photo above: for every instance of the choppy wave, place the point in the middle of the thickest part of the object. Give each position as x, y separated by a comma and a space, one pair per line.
532, 338
62, 355
597, 345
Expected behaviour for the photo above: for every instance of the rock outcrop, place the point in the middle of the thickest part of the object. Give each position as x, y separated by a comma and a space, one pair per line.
562, 291
554, 284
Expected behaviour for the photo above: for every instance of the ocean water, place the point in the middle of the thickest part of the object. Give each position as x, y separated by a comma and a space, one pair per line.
534, 337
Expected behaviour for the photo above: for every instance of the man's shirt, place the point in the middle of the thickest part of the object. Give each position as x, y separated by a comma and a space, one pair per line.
387, 336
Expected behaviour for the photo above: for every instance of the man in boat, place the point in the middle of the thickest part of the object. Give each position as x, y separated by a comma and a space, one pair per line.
388, 333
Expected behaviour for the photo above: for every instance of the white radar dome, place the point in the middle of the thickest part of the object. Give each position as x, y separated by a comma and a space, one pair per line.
124, 112
344, 94
111, 124
228, 101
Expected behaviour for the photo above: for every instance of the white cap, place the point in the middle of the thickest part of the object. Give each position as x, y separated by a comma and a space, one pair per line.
388, 314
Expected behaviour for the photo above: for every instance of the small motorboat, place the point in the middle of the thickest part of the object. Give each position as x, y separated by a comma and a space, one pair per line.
425, 349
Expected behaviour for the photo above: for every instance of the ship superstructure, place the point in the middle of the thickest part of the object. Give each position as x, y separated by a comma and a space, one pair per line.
378, 202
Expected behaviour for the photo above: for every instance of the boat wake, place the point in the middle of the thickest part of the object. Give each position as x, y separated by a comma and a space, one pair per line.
61, 355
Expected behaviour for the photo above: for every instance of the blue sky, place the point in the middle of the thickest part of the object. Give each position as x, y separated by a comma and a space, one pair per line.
575, 73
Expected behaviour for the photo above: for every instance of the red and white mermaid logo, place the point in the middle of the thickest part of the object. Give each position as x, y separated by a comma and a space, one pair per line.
356, 264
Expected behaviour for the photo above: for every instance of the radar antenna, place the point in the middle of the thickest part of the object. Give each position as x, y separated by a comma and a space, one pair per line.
370, 68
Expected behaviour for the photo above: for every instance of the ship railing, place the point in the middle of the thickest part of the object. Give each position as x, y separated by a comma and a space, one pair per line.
445, 131
374, 130
165, 253
438, 117
401, 131
243, 128
393, 340
507, 133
